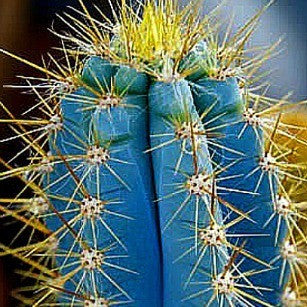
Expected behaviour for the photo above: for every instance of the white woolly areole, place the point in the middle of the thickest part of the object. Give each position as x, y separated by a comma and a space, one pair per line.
45, 166
38, 206
91, 207
98, 155
55, 123
282, 206
290, 298
267, 163
251, 117
213, 236
64, 86
91, 259
185, 131
224, 283
109, 101
199, 184
53, 244
96, 302
289, 251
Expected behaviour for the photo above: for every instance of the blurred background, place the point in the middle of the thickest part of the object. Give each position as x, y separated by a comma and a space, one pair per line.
24, 31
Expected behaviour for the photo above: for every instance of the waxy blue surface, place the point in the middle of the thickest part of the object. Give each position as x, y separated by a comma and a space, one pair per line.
225, 95
126, 182
165, 100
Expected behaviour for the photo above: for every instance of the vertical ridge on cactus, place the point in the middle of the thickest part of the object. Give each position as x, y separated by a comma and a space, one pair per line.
251, 176
103, 153
154, 174
182, 179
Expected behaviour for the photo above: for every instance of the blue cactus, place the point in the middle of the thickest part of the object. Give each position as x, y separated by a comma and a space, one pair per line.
252, 174
162, 184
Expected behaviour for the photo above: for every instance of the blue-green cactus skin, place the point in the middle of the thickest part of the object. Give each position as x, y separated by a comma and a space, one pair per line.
98, 73
60, 183
227, 98
226, 101
169, 100
134, 179
141, 234
123, 131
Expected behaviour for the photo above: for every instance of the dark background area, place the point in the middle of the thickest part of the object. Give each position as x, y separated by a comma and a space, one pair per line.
23, 30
